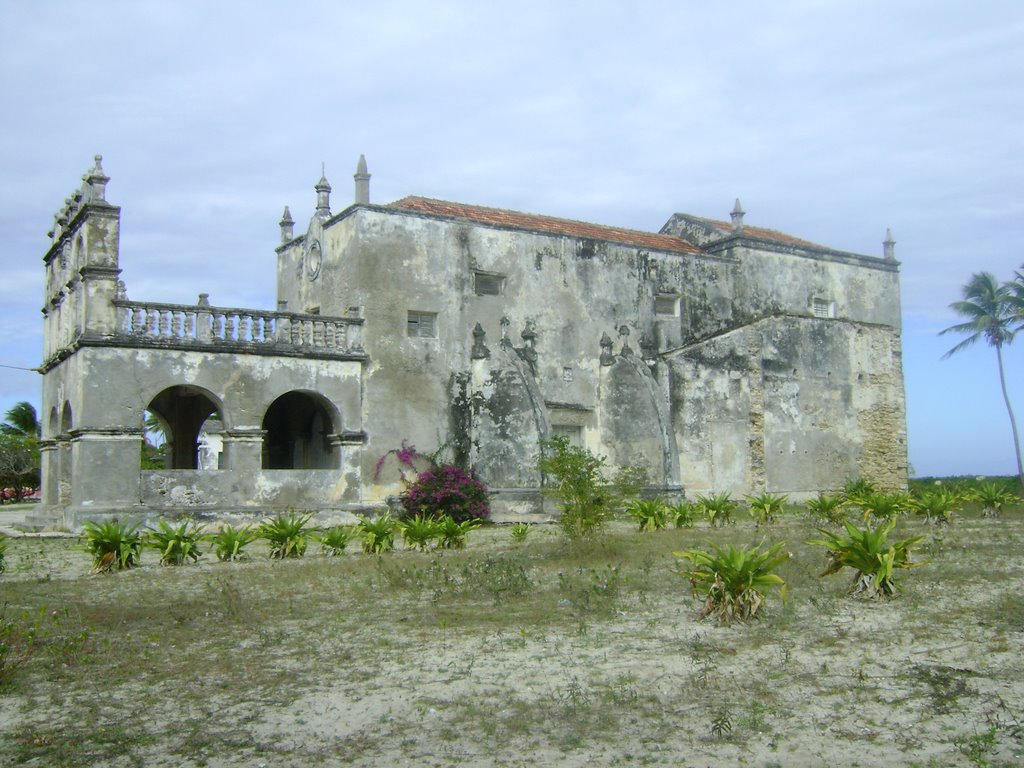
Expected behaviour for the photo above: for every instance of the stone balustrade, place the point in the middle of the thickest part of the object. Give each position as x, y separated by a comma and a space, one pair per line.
200, 325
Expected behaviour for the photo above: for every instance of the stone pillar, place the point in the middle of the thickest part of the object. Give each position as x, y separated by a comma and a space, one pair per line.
243, 449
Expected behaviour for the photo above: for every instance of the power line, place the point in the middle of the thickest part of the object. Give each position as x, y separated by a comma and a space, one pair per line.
19, 368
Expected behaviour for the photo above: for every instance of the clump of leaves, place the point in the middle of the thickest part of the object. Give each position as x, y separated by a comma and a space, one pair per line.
884, 506
114, 546
452, 533
827, 508
868, 551
650, 514
936, 505
520, 531
766, 507
3, 553
419, 532
574, 477
287, 533
718, 508
855, 491
734, 581
229, 542
378, 533
334, 540
177, 544
682, 514
993, 497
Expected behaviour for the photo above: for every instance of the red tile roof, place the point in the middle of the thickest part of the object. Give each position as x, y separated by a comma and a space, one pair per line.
761, 233
548, 224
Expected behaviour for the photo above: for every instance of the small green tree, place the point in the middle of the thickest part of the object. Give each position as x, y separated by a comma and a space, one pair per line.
573, 475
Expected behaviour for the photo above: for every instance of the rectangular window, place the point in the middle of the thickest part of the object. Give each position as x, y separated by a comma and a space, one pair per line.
666, 305
488, 284
823, 308
574, 434
422, 324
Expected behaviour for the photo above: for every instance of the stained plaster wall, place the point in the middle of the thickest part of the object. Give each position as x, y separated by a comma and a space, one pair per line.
108, 390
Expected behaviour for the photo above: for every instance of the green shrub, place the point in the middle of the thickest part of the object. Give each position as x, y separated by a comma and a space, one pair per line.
176, 544
827, 508
935, 505
765, 507
452, 533
734, 581
718, 508
650, 514
856, 491
288, 534
229, 542
378, 533
334, 540
884, 506
419, 532
993, 497
868, 551
682, 514
575, 479
445, 489
114, 546
520, 531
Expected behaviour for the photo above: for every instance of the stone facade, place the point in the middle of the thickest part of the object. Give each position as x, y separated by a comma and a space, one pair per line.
721, 357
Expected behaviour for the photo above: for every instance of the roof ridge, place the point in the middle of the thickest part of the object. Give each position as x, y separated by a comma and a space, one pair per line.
546, 223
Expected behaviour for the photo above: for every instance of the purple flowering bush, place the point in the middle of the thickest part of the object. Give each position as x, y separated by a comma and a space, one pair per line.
445, 489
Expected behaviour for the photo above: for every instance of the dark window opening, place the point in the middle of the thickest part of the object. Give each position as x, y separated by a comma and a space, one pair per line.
422, 324
174, 425
486, 284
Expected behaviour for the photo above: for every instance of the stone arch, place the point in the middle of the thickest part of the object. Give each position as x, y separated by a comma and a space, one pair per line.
300, 431
182, 410
53, 423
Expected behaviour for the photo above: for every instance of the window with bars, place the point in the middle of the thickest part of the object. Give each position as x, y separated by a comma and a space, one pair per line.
422, 325
488, 284
823, 308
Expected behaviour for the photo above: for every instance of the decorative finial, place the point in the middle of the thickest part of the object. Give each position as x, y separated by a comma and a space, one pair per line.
287, 226
362, 178
323, 195
737, 216
889, 246
480, 350
97, 179
607, 358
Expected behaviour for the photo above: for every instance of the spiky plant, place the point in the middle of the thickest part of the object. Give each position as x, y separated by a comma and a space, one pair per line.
682, 514
378, 533
419, 532
884, 506
229, 542
287, 533
870, 554
334, 540
936, 505
734, 581
765, 507
114, 546
452, 533
520, 531
3, 553
650, 514
993, 497
827, 508
177, 544
856, 491
718, 507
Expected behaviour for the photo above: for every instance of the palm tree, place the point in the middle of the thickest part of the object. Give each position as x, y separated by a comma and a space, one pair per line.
1016, 287
21, 420
990, 310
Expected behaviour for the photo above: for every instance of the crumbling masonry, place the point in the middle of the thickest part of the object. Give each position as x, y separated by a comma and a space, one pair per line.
719, 356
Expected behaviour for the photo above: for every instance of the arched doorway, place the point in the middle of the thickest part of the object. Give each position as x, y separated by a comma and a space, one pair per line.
298, 430
175, 419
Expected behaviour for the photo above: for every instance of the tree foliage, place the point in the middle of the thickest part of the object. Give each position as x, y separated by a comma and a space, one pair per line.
992, 311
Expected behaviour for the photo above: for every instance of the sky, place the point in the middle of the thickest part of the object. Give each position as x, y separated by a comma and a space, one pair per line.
830, 120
